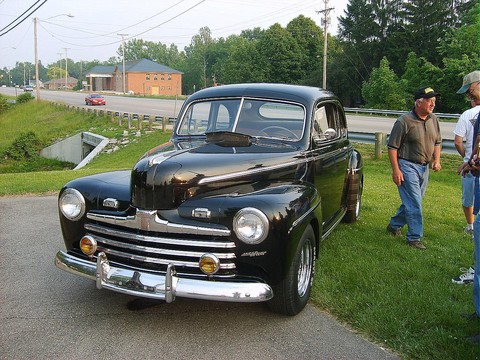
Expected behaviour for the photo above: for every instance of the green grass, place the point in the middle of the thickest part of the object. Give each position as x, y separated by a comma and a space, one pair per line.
399, 297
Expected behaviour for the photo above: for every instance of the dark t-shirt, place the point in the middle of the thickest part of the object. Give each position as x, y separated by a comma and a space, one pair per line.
414, 138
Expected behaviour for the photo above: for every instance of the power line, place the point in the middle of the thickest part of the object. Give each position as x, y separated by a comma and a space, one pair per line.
19, 16
133, 36
26, 17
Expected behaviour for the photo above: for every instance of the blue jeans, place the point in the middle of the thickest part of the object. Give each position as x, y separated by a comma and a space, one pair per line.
476, 254
411, 193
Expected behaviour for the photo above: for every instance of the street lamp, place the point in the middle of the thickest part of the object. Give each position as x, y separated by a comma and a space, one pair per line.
37, 81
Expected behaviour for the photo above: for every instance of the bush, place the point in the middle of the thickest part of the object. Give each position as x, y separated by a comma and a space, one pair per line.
25, 146
25, 97
3, 104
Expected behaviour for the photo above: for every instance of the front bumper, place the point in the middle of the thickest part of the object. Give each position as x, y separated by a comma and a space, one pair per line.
163, 287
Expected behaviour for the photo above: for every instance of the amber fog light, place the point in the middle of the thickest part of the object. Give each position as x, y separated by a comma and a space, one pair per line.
88, 245
209, 264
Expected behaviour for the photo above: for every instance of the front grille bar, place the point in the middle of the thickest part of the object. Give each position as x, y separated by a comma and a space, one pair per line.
149, 221
159, 240
158, 251
148, 259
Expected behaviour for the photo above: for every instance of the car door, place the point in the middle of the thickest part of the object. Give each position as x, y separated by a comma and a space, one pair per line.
330, 153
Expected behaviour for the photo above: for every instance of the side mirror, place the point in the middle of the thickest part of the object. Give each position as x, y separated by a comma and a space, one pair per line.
330, 134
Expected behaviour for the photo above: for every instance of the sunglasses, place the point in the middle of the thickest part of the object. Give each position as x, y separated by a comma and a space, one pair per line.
470, 90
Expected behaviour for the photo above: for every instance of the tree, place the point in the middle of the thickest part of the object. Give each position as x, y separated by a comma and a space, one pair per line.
281, 56
309, 38
197, 59
420, 72
243, 64
383, 90
426, 23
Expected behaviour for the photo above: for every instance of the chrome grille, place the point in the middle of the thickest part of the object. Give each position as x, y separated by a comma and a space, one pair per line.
126, 244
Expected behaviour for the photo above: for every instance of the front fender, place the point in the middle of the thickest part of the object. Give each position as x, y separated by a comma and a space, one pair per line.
289, 209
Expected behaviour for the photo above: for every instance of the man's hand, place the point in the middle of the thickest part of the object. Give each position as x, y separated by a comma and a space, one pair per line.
397, 177
464, 169
436, 166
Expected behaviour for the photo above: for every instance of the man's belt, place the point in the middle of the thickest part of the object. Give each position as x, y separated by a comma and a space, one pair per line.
415, 162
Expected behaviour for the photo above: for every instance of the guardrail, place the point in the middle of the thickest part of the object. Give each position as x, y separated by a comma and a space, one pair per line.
448, 145
394, 112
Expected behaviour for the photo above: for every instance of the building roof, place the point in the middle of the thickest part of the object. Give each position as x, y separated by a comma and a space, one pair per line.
137, 66
101, 69
62, 81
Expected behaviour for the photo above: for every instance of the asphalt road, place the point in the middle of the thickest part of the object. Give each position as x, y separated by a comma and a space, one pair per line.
46, 313
170, 108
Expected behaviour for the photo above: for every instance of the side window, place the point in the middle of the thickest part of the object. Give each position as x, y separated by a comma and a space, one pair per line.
196, 119
325, 125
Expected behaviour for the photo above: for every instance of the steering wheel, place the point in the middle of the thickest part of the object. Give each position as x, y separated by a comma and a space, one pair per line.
279, 128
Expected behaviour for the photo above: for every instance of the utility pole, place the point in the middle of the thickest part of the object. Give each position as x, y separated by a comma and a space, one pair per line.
123, 61
60, 73
66, 68
37, 80
326, 13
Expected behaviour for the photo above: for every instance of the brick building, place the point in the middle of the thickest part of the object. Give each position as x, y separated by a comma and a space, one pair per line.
61, 84
144, 77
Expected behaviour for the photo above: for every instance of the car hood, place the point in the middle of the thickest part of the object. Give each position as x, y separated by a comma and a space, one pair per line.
175, 173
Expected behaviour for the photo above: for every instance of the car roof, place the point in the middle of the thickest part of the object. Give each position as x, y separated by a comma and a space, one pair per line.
298, 93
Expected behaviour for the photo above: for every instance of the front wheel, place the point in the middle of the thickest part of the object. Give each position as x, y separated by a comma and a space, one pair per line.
292, 294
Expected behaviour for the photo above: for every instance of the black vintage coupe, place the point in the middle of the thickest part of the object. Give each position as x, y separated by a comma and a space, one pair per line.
232, 208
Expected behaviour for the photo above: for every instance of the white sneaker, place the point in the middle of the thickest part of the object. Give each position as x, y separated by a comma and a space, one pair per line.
469, 230
465, 278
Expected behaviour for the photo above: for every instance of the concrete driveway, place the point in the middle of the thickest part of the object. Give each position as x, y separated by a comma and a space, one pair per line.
48, 314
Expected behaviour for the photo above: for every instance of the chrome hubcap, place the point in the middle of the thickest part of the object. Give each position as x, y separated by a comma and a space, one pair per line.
305, 268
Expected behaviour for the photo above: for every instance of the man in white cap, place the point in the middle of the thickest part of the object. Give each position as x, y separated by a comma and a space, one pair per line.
464, 130
471, 87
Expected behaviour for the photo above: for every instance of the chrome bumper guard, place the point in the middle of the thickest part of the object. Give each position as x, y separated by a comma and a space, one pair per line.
163, 287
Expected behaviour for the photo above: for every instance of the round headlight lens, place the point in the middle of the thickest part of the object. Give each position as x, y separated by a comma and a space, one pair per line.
72, 204
250, 225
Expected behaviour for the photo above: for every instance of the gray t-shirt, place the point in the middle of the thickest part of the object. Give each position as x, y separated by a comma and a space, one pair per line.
414, 138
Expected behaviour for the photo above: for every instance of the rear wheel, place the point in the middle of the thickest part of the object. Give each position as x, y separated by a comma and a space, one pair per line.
354, 198
291, 295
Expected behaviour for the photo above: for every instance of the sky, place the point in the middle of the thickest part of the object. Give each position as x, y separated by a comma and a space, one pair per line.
94, 30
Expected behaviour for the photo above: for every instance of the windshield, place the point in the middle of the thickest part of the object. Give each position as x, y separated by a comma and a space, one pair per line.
257, 118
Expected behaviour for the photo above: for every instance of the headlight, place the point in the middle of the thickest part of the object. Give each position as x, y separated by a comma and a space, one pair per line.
72, 204
250, 225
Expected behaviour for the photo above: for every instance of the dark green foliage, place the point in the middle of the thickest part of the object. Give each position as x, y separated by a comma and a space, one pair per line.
383, 90
25, 97
25, 146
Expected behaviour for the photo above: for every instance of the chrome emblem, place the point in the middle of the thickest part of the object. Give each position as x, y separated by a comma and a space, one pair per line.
146, 218
201, 213
111, 203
